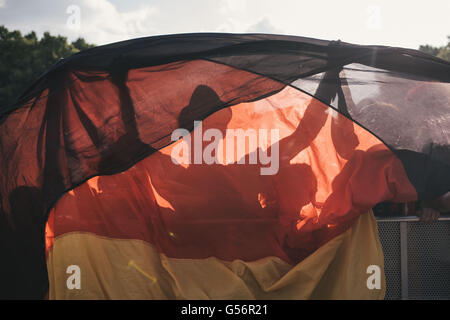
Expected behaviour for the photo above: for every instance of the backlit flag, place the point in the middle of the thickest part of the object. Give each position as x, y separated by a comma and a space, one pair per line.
217, 166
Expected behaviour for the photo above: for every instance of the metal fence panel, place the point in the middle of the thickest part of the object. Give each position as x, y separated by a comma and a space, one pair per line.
428, 259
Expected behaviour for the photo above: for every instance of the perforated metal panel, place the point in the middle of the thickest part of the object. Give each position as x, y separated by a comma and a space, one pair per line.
390, 240
429, 260
426, 247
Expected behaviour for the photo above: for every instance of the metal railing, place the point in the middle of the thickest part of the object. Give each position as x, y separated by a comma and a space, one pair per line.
417, 257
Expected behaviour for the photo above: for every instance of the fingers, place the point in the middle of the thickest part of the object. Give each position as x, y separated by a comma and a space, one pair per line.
435, 216
429, 215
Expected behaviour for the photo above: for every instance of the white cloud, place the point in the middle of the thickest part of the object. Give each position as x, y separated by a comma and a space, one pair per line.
104, 21
101, 22
264, 26
229, 6
2, 3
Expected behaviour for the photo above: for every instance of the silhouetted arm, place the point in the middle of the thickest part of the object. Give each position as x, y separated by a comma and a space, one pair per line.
312, 121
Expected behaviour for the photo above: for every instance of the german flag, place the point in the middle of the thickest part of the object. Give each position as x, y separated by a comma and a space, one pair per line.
217, 166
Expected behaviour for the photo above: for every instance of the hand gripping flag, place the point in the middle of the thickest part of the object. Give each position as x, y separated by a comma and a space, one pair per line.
216, 166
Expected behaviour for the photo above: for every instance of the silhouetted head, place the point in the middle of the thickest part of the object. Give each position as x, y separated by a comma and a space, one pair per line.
204, 102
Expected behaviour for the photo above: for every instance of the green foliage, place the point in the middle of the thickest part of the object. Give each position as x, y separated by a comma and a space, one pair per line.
24, 58
429, 49
440, 52
444, 52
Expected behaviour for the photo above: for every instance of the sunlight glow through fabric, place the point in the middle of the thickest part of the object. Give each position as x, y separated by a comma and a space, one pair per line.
87, 176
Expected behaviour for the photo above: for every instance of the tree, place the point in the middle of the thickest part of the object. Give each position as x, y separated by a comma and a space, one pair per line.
444, 52
24, 58
429, 49
440, 52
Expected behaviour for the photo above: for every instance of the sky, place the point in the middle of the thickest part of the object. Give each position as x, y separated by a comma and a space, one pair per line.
400, 23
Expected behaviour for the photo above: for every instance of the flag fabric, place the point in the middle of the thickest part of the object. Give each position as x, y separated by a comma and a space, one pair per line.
113, 268
217, 166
